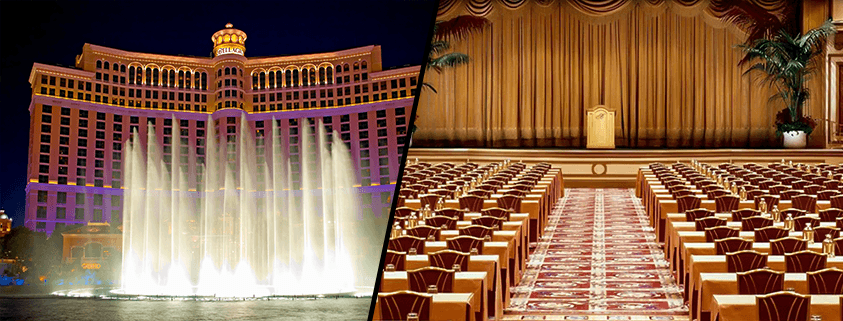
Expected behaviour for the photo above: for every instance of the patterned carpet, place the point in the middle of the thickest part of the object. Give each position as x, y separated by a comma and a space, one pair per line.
597, 260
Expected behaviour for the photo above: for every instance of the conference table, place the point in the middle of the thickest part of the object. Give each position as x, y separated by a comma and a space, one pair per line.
443, 307
464, 282
731, 307
712, 284
500, 249
499, 292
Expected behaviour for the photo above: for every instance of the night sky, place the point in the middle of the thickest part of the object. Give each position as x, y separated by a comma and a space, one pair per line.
53, 33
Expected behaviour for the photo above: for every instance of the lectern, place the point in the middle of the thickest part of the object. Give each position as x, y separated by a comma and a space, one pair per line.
601, 128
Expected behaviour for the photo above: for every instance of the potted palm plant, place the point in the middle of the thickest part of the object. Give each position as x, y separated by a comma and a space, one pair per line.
788, 62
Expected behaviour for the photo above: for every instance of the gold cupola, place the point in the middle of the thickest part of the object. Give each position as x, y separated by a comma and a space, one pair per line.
229, 41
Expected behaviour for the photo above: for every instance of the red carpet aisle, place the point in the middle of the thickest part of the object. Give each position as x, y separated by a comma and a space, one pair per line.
597, 260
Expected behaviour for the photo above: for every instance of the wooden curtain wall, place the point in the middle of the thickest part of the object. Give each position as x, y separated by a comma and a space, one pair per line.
668, 68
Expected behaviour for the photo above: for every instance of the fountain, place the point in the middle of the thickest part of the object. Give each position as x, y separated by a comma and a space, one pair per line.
251, 229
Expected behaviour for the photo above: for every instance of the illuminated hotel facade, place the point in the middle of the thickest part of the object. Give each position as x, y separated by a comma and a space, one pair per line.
81, 118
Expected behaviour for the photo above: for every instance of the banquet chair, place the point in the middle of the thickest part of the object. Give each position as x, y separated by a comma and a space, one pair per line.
707, 222
743, 261
830, 214
472, 203
446, 259
397, 259
821, 232
454, 213
755, 222
443, 193
444, 222
778, 190
697, 213
812, 189
804, 261
478, 231
720, 232
831, 185
424, 231
827, 195
510, 202
685, 203
715, 193
799, 223
397, 305
836, 201
783, 306
726, 203
408, 193
465, 243
766, 184
480, 192
421, 279
738, 215
496, 212
731, 244
760, 281
825, 281
805, 202
404, 243
515, 192
489, 221
787, 245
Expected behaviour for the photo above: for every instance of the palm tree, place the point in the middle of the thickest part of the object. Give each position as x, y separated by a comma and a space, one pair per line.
788, 62
445, 31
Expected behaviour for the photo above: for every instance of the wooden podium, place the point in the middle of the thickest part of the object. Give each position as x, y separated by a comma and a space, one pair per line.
601, 128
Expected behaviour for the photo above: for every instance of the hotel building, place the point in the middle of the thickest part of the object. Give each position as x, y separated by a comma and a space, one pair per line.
82, 117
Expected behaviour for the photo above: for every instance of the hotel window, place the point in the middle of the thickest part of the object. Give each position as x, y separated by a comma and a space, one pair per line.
42, 179
79, 213
44, 158
42, 196
44, 169
81, 171
97, 199
64, 140
61, 213
80, 199
40, 226
97, 215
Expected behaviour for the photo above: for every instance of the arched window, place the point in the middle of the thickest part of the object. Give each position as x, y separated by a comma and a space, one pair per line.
181, 78
271, 79
288, 75
132, 75
99, 64
219, 72
155, 77
148, 78
356, 66
339, 68
241, 72
322, 75
263, 80
187, 79
227, 71
105, 65
313, 77
172, 78
364, 64
330, 75
139, 76
122, 68
345, 67
278, 79
196, 80
114, 67
295, 77
254, 81
204, 81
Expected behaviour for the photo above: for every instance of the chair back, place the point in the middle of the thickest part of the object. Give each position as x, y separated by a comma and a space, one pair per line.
408, 193
443, 222
771, 201
397, 259
424, 231
805, 202
804, 261
743, 261
799, 223
510, 202
726, 203
478, 231
698, 213
689, 202
404, 243
760, 281
731, 245
830, 214
821, 232
795, 212
786, 245
720, 232
713, 194
403, 212
397, 305
783, 306
446, 259
429, 200
465, 243
421, 278
767, 234
489, 221
755, 222
480, 192
471, 202
739, 215
825, 281
836, 201
827, 194
452, 213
